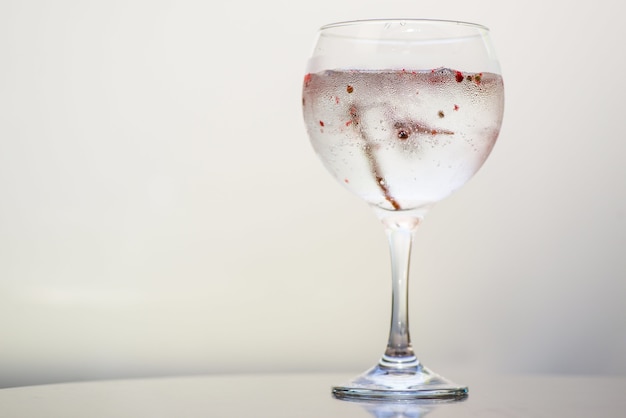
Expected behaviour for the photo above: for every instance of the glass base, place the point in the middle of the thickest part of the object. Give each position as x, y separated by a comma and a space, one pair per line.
382, 383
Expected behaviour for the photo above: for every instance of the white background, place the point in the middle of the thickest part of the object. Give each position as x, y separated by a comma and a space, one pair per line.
162, 212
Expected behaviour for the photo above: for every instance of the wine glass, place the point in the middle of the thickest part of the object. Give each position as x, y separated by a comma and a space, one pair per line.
402, 112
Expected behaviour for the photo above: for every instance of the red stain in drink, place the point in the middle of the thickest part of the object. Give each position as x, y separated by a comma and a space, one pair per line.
354, 117
403, 134
456, 107
459, 76
388, 197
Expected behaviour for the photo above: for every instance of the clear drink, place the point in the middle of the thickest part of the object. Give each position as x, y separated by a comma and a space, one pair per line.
403, 139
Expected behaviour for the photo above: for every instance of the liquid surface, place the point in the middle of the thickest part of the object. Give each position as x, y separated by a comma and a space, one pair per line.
403, 139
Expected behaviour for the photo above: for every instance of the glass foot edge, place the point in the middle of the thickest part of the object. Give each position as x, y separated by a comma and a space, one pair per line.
383, 383
433, 394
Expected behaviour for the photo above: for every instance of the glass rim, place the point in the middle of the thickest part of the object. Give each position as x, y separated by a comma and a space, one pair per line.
401, 20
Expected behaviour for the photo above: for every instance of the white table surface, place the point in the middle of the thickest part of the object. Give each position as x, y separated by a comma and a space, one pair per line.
308, 395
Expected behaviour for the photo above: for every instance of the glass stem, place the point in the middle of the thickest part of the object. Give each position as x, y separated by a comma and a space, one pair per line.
399, 353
